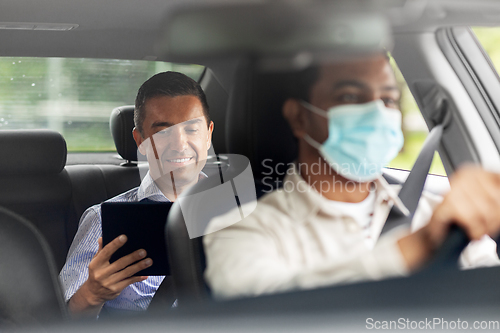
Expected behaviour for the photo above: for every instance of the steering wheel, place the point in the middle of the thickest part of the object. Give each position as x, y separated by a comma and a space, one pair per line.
446, 257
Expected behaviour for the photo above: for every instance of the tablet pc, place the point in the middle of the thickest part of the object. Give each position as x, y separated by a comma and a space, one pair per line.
144, 225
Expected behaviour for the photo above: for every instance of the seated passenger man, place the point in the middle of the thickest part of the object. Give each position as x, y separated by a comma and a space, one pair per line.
173, 129
323, 226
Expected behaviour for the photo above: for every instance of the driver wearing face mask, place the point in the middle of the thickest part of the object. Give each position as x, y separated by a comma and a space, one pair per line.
323, 226
362, 139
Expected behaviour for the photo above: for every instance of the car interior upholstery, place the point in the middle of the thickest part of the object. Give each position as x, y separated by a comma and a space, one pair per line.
25, 254
121, 124
37, 185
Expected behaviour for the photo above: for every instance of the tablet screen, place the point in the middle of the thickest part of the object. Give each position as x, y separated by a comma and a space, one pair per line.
144, 225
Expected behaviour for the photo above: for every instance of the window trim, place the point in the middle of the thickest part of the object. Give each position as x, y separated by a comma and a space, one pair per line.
476, 72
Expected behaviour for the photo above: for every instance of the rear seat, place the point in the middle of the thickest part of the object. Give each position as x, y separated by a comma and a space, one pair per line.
92, 184
35, 183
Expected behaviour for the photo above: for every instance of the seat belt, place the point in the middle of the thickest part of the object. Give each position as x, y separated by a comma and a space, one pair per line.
412, 188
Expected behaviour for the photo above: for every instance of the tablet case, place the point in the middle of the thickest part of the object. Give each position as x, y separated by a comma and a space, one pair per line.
144, 225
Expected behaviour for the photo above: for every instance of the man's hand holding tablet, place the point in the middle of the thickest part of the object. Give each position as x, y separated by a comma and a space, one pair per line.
107, 280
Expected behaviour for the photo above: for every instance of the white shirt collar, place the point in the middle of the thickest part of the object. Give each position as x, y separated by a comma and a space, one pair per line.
149, 190
304, 200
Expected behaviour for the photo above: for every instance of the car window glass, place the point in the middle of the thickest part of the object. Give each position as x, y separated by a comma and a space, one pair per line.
414, 129
489, 37
73, 96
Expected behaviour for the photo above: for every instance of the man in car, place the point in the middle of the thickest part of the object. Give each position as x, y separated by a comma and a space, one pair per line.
323, 226
173, 129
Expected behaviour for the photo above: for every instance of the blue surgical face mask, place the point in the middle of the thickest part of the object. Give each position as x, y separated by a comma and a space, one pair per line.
362, 138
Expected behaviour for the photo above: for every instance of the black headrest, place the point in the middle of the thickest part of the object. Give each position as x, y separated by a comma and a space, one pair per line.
255, 125
31, 152
121, 124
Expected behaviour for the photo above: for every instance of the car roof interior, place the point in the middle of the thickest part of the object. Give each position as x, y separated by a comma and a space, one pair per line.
129, 29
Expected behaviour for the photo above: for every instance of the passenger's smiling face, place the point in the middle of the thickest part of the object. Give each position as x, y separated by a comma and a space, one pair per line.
175, 138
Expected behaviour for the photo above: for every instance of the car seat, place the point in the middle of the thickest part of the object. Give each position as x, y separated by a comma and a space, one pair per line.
30, 293
256, 129
121, 124
189, 217
35, 185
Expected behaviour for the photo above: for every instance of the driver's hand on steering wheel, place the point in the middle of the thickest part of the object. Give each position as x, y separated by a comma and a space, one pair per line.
473, 204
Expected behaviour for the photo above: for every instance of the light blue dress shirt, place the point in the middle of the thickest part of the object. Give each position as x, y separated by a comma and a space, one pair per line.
136, 296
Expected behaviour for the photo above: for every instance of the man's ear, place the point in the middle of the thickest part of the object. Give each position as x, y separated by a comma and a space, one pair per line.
295, 115
138, 140
210, 131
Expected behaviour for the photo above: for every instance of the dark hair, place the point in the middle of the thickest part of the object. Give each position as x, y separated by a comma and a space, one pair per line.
299, 83
170, 84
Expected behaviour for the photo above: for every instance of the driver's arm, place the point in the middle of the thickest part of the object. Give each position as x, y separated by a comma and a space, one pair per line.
262, 254
473, 203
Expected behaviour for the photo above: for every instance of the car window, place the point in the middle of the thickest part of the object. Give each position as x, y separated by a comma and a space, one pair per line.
414, 129
489, 37
73, 96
